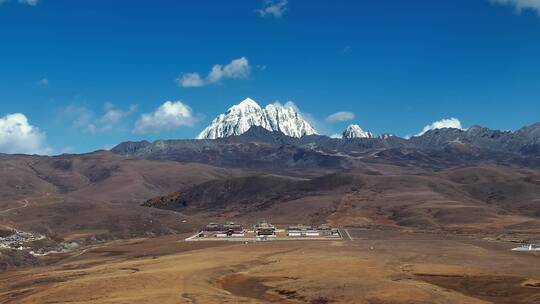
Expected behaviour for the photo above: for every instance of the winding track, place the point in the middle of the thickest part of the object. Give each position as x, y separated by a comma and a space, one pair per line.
24, 203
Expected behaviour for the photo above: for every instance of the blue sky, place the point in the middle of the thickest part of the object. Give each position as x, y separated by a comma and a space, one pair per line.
85, 75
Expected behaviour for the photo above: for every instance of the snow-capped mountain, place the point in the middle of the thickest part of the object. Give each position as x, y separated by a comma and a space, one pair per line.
354, 131
274, 117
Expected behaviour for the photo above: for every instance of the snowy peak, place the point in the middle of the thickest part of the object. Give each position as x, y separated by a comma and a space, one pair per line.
354, 131
245, 104
286, 119
274, 117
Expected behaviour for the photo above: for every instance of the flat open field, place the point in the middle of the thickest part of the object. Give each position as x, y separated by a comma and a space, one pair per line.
374, 267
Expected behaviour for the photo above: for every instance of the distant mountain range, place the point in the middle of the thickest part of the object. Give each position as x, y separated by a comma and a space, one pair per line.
260, 147
286, 119
446, 180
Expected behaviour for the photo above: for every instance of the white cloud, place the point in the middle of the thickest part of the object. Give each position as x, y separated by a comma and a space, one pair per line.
236, 69
85, 119
336, 136
190, 80
274, 8
17, 135
168, 116
29, 2
443, 123
112, 117
521, 5
340, 116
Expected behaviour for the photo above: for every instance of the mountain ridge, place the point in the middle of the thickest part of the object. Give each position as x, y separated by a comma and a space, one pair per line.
258, 147
239, 118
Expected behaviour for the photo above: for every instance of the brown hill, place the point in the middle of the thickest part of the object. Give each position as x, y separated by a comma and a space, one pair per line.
476, 199
249, 193
99, 195
96, 194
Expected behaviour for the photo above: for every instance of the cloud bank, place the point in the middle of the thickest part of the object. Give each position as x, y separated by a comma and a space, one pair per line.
441, 124
17, 135
521, 5
273, 8
340, 117
236, 69
84, 119
168, 116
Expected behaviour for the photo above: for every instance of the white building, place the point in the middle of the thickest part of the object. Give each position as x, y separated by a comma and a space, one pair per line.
312, 233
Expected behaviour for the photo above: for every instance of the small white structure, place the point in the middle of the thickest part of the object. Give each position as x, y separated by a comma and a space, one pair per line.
224, 235
312, 233
265, 237
529, 247
294, 233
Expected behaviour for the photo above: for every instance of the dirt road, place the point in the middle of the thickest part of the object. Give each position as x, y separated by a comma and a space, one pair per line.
24, 204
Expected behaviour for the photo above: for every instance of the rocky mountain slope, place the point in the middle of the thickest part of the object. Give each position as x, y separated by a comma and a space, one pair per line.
274, 117
259, 147
96, 194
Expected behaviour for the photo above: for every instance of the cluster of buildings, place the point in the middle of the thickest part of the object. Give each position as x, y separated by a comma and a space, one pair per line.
227, 229
302, 230
263, 230
19, 240
310, 231
231, 229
